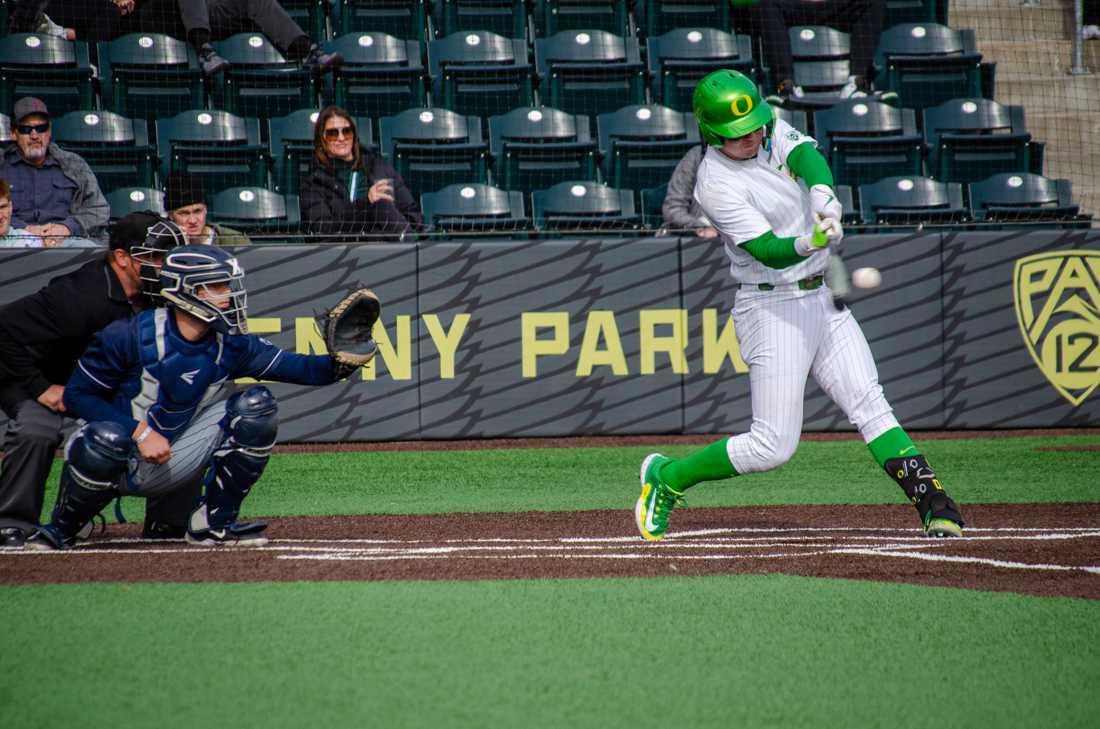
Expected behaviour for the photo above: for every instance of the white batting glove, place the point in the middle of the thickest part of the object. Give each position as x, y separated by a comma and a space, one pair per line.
827, 232
824, 204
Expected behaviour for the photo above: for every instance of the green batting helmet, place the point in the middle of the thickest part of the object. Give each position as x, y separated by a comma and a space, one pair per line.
727, 105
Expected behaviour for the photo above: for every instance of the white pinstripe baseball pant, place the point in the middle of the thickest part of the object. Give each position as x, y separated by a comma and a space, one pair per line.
786, 334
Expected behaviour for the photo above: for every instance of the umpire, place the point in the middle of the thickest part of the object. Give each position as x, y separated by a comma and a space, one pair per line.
41, 338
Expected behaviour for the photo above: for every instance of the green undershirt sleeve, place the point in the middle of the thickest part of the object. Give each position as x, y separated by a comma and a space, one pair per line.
773, 252
806, 162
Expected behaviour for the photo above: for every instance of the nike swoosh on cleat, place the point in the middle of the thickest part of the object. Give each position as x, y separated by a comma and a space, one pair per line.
906, 450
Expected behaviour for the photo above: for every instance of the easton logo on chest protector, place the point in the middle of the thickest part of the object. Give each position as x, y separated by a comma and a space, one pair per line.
1058, 309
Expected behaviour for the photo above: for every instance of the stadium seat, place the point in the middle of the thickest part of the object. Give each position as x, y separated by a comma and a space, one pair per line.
1025, 198
589, 72
928, 63
5, 130
657, 17
845, 194
260, 82
149, 76
653, 199
971, 139
503, 17
478, 72
222, 148
381, 74
265, 216
534, 148
310, 15
126, 200
474, 208
821, 62
291, 139
555, 16
584, 208
908, 200
401, 18
914, 11
54, 70
641, 145
116, 148
680, 58
865, 140
797, 118
433, 148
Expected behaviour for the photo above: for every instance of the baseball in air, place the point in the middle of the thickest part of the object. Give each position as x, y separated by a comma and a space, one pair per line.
866, 278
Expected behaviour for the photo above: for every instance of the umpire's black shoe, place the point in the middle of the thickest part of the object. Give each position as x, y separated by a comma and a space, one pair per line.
161, 532
12, 538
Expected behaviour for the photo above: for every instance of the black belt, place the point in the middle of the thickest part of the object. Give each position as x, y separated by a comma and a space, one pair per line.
806, 284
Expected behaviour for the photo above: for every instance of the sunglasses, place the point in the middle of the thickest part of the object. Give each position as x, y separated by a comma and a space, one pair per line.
337, 132
28, 128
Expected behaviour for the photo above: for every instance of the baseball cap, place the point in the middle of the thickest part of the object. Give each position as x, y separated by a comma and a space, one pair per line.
26, 106
132, 229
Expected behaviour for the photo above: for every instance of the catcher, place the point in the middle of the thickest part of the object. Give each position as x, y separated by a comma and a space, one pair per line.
147, 391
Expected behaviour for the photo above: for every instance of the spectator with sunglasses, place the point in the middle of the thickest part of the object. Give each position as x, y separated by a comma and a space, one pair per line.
54, 194
350, 192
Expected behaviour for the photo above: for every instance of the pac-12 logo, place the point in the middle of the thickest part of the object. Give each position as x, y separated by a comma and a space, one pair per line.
1058, 310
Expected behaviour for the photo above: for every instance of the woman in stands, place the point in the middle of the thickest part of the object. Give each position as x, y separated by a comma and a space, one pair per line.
349, 191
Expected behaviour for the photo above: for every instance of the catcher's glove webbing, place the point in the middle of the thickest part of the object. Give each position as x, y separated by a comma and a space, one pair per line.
347, 331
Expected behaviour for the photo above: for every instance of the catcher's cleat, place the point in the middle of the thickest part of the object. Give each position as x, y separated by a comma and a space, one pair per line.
656, 501
47, 539
237, 534
940, 527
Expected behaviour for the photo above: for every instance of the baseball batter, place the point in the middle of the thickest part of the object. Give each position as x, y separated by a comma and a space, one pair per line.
769, 192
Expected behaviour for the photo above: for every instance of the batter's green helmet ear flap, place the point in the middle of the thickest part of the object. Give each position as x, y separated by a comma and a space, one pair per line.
727, 105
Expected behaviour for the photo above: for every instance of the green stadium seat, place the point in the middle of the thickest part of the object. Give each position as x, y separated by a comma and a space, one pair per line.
641, 145
222, 148
54, 70
928, 64
797, 118
905, 200
555, 16
971, 139
5, 130
126, 200
534, 148
265, 216
310, 15
405, 19
503, 17
433, 148
1027, 199
116, 148
584, 208
291, 139
589, 72
474, 208
914, 11
478, 72
381, 75
865, 140
846, 195
653, 199
149, 76
681, 57
821, 63
657, 17
260, 82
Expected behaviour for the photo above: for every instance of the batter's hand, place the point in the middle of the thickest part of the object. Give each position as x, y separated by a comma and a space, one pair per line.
52, 398
831, 229
827, 232
824, 204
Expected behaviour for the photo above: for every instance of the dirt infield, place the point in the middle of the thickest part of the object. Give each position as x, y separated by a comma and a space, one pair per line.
1038, 549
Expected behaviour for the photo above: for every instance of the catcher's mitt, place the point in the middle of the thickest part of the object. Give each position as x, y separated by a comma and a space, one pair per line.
347, 331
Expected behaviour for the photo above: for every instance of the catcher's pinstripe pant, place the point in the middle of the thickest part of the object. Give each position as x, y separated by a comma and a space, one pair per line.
786, 334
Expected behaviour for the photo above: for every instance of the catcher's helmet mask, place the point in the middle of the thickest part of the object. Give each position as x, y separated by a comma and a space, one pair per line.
160, 237
189, 270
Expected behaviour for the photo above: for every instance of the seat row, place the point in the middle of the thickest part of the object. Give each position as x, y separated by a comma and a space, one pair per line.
473, 72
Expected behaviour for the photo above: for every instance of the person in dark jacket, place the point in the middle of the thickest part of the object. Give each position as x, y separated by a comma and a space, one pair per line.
349, 191
41, 338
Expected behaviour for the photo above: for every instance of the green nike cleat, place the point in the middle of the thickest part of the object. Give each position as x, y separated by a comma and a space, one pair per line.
940, 527
657, 499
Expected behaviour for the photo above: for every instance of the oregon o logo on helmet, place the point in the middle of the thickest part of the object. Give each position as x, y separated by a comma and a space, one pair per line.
735, 105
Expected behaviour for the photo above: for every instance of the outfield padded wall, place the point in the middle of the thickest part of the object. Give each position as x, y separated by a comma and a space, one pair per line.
498, 339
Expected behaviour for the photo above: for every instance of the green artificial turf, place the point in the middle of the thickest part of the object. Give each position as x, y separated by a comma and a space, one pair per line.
980, 470
744, 651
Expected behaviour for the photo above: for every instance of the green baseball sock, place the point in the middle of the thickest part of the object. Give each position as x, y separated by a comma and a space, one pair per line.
709, 464
894, 443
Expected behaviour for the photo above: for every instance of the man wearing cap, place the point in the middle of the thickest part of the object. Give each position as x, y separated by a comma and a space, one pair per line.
186, 204
54, 194
42, 336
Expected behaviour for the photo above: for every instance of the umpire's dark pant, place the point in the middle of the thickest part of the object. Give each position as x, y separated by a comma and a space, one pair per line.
30, 441
221, 18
